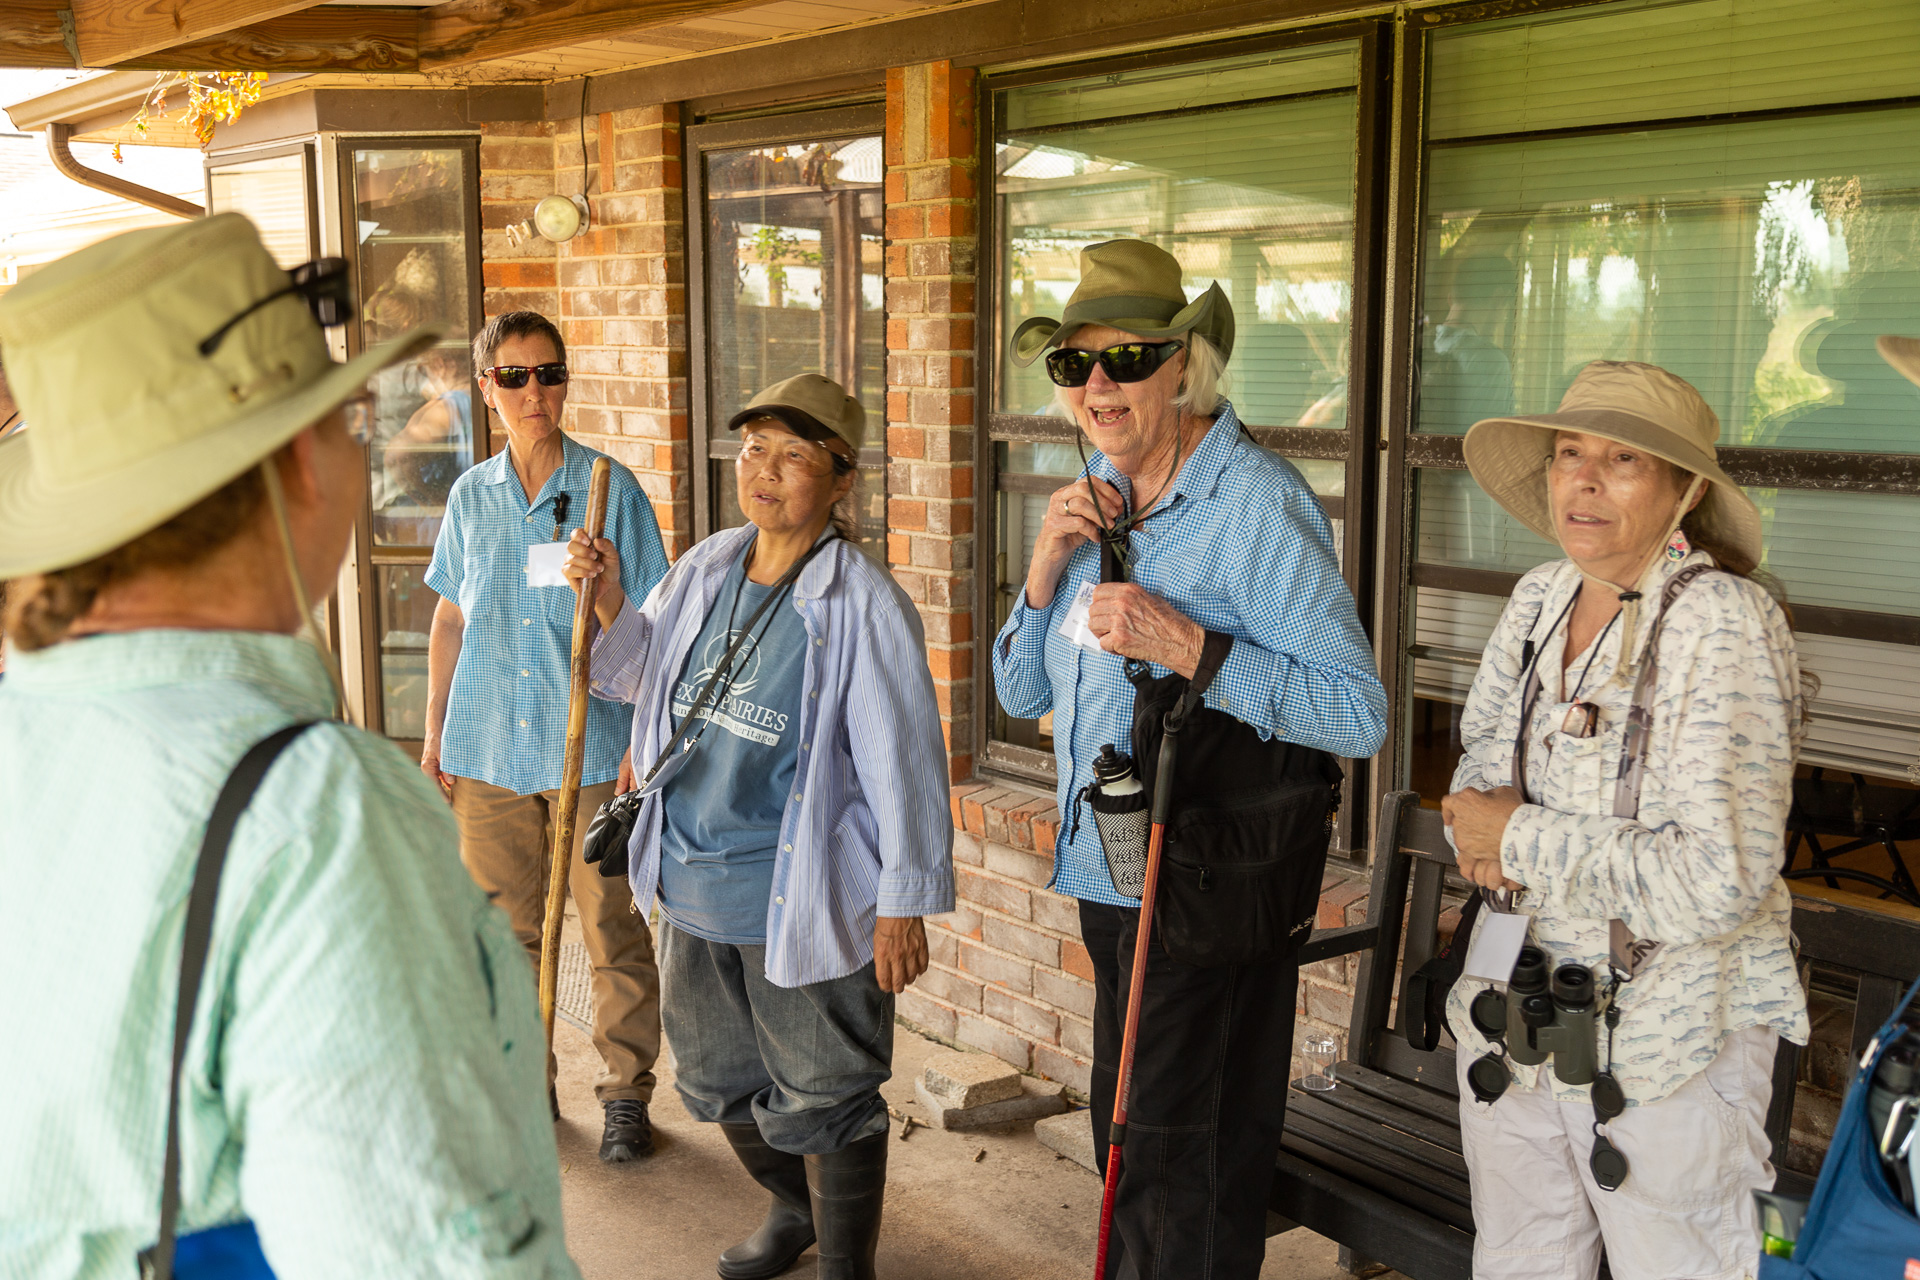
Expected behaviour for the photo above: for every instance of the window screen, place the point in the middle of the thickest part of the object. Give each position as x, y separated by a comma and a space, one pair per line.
1725, 188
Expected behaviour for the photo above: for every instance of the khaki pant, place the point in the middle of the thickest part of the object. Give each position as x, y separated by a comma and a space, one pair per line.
504, 841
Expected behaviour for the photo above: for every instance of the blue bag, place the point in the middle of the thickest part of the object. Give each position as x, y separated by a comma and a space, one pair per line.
1856, 1227
232, 1251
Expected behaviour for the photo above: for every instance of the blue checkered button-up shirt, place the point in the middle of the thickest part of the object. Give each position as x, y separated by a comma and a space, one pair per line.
507, 712
1241, 546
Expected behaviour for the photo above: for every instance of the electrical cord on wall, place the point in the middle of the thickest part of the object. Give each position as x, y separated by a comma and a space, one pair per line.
583, 135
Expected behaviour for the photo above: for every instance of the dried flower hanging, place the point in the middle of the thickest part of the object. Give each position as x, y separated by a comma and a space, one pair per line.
213, 97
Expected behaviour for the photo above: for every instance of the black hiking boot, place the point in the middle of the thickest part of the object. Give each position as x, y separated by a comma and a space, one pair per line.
629, 1134
848, 1188
788, 1228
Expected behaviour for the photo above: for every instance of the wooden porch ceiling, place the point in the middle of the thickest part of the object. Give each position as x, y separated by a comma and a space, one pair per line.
453, 41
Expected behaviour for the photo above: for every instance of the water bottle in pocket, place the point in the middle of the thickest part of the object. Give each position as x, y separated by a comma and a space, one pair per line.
1120, 807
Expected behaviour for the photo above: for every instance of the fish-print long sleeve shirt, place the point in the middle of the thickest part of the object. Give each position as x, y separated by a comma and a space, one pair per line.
1698, 868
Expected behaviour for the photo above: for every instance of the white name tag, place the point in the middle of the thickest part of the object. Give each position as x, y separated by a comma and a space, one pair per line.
1074, 625
544, 564
1496, 944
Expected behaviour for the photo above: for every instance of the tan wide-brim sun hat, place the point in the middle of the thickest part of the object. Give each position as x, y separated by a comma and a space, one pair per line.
130, 423
1636, 404
1132, 286
1903, 354
814, 406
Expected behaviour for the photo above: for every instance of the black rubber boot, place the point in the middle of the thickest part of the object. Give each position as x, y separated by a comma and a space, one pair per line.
788, 1230
849, 1187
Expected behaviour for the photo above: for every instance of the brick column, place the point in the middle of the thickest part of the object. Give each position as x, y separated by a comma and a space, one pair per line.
622, 302
516, 170
931, 249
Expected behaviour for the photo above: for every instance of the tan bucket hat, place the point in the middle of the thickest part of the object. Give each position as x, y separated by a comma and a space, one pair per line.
1134, 286
1637, 404
816, 407
131, 424
1903, 354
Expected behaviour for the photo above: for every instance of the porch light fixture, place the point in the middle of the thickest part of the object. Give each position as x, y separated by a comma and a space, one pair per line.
560, 218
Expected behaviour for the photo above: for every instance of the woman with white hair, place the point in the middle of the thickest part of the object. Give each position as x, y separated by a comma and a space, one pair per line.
1187, 558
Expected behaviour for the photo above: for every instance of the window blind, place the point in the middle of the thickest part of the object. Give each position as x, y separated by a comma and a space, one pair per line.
1658, 60
1866, 717
1758, 261
1259, 200
1183, 86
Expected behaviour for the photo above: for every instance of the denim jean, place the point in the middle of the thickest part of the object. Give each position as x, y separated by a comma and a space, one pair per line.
804, 1063
1209, 1094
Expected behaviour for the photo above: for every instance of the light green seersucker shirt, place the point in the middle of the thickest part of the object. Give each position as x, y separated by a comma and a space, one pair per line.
366, 1074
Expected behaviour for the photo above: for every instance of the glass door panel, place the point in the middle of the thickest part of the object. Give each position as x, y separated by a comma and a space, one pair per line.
795, 283
275, 193
412, 253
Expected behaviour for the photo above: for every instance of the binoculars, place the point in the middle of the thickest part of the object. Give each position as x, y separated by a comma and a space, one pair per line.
1540, 1016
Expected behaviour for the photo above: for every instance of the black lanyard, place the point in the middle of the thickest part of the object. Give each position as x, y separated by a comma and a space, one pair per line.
724, 667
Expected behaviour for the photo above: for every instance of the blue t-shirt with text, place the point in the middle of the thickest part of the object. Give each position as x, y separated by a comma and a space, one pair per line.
722, 815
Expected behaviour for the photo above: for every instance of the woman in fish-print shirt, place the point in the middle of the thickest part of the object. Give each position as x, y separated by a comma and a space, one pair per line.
1665, 888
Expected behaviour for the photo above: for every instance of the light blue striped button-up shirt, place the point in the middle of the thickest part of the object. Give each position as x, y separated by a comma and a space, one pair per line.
869, 829
507, 711
1240, 545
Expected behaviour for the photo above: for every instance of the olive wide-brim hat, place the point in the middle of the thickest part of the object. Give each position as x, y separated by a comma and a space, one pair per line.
1636, 404
1135, 287
130, 424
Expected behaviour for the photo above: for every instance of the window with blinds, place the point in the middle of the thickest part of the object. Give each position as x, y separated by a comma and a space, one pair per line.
1244, 169
1726, 188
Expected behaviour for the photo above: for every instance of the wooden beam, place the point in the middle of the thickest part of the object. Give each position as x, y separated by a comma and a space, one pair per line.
334, 38
30, 35
463, 31
113, 32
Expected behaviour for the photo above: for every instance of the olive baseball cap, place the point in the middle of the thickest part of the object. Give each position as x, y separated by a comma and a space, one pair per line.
812, 406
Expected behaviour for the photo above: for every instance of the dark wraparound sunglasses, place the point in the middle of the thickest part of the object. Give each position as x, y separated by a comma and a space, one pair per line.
1127, 362
514, 376
324, 283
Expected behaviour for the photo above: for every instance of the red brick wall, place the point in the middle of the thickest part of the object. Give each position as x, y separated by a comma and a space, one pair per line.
1010, 975
617, 290
931, 244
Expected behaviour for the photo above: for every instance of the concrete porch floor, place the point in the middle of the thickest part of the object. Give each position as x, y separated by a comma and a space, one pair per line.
1019, 1212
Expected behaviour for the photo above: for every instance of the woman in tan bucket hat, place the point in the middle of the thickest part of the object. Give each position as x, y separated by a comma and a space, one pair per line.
360, 1085
1630, 742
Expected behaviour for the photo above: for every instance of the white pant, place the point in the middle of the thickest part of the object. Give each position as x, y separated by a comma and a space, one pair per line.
1685, 1211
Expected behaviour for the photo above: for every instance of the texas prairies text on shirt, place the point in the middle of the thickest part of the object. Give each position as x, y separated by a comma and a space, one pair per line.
733, 711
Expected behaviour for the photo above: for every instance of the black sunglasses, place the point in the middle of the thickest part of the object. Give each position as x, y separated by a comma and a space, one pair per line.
325, 284
514, 376
1127, 362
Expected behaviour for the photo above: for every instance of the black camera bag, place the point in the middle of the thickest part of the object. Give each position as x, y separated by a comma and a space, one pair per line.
1248, 827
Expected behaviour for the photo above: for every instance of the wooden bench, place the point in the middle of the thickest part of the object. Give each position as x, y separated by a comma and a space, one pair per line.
1376, 1164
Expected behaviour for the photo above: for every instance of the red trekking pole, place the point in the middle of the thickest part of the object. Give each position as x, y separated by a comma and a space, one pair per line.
1117, 1132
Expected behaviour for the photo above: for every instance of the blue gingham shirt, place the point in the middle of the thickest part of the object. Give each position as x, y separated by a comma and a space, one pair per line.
507, 712
1240, 545
868, 830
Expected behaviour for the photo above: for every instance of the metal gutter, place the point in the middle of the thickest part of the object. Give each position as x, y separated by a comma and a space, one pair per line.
63, 160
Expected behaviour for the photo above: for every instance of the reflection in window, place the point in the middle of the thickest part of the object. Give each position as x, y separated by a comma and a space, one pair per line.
405, 618
1258, 199
410, 206
1757, 261
796, 284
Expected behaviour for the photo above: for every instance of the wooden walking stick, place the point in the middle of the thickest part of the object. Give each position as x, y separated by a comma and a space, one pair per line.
568, 808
